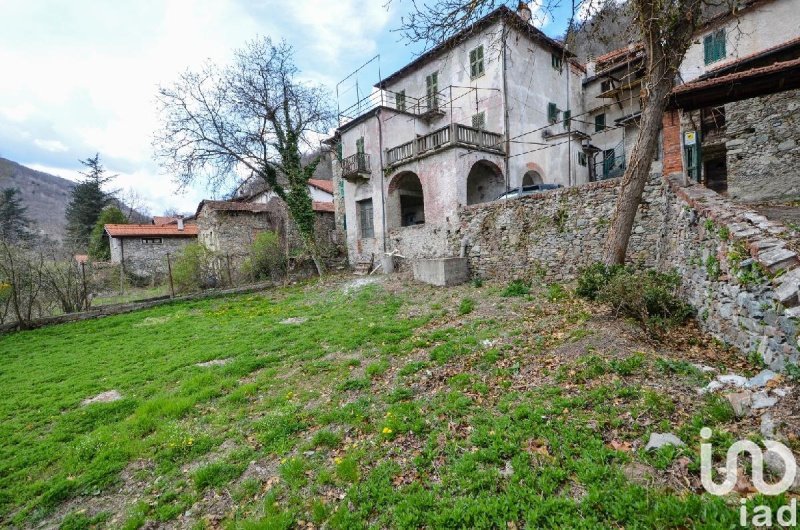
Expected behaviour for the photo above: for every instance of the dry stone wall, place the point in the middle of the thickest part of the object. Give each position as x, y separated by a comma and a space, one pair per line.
739, 269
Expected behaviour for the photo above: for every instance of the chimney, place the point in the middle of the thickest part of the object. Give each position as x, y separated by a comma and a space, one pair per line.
180, 223
524, 11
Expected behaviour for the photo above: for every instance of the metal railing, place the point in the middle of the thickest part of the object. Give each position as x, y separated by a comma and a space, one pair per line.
357, 164
449, 135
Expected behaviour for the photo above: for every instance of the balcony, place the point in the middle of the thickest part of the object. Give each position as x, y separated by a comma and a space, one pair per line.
356, 166
453, 135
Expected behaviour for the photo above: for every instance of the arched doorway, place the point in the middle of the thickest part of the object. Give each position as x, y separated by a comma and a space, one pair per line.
485, 182
532, 177
406, 201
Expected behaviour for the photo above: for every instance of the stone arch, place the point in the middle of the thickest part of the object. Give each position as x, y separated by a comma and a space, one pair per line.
406, 201
532, 177
485, 182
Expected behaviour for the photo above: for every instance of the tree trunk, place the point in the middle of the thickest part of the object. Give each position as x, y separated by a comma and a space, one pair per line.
638, 170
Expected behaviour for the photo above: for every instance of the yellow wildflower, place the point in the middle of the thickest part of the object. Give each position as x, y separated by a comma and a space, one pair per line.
387, 430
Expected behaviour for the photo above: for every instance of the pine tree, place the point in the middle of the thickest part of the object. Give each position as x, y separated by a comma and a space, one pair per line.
99, 249
14, 224
87, 202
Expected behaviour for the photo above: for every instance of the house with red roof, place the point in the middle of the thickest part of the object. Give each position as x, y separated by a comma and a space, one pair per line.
142, 249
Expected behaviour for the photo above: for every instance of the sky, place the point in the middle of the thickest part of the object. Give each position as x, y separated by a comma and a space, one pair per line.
79, 77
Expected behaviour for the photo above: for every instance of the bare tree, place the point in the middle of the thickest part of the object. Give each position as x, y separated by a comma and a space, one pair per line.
254, 118
665, 28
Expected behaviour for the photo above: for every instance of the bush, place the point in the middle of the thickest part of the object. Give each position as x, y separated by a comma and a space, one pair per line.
267, 259
193, 269
99, 248
650, 297
593, 278
516, 288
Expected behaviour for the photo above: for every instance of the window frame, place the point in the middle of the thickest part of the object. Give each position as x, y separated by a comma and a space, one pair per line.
366, 222
714, 46
552, 113
583, 160
360, 146
482, 117
476, 65
567, 118
400, 101
600, 122
432, 90
152, 241
557, 62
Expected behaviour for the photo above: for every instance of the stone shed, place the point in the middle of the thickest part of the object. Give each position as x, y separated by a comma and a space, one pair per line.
142, 249
229, 228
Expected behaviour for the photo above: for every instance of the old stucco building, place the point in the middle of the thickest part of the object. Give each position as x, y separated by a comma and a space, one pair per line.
501, 105
142, 249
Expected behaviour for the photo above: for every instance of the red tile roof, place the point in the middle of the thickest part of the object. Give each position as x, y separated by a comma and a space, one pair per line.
619, 52
323, 206
233, 206
736, 76
150, 230
324, 185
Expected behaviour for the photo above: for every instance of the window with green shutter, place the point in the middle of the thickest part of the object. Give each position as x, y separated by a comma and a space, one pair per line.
552, 112
476, 62
600, 123
365, 219
556, 61
432, 90
479, 120
567, 119
714, 46
360, 146
339, 154
400, 101
582, 158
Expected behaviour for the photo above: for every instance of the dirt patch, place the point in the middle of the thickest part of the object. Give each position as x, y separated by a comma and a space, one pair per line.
215, 362
294, 321
104, 397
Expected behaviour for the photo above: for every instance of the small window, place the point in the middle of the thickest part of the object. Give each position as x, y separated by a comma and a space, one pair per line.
339, 151
432, 90
567, 119
605, 86
476, 62
556, 61
600, 123
714, 46
479, 120
552, 112
582, 159
151, 241
365, 219
400, 101
360, 146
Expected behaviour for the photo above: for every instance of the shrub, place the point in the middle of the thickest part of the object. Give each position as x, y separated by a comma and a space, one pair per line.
267, 259
593, 278
193, 269
99, 248
517, 288
466, 306
650, 297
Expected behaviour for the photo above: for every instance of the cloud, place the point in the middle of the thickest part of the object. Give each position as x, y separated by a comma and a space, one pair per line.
54, 146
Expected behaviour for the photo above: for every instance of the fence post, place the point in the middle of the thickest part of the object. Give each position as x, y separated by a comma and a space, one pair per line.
83, 279
169, 270
228, 261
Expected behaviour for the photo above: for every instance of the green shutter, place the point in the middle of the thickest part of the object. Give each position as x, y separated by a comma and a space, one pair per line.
339, 151
400, 100
432, 88
720, 38
599, 122
708, 47
552, 112
360, 146
567, 118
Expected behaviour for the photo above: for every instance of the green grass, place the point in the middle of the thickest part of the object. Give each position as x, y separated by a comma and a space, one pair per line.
362, 417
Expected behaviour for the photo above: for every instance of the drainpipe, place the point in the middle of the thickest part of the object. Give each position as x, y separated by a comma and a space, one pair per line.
505, 107
380, 156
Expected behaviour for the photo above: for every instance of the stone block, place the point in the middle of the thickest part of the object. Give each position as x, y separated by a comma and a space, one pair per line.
442, 272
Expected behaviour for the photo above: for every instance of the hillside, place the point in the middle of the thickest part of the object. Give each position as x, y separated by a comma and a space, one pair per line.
46, 196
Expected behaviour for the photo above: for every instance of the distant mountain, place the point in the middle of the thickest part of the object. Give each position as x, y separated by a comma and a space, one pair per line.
46, 197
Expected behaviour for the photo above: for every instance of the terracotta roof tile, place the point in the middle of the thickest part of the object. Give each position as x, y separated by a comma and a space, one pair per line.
233, 206
164, 220
619, 52
324, 185
150, 230
736, 76
323, 206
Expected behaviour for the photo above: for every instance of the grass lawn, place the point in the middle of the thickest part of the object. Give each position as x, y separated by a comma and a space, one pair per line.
392, 405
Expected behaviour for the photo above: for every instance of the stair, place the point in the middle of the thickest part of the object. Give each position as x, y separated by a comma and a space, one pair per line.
363, 266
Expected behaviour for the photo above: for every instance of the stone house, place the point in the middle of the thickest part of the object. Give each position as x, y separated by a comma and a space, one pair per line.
501, 105
142, 249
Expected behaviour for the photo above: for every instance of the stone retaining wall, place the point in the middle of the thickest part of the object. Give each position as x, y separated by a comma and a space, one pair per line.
738, 268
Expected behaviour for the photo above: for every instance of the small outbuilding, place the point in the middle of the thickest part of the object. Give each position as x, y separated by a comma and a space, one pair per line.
142, 249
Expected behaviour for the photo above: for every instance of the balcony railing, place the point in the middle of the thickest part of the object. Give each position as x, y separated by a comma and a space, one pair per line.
356, 165
451, 135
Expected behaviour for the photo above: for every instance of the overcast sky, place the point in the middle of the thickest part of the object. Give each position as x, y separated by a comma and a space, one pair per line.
80, 76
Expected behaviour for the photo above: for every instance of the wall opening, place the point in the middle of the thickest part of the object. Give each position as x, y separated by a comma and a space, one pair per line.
406, 201
532, 177
485, 182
